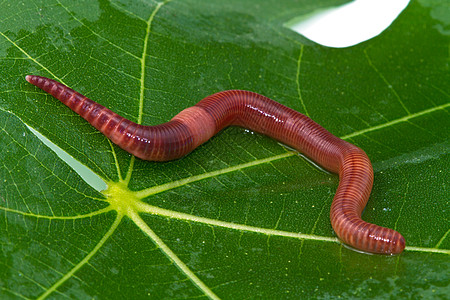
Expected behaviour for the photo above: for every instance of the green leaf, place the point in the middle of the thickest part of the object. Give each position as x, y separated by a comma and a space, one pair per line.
242, 216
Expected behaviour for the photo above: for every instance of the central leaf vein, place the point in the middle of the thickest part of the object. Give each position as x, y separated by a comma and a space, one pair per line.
143, 61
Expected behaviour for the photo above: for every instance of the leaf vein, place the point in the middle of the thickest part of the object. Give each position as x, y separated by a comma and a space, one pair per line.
171, 255
299, 90
389, 86
84, 261
95, 33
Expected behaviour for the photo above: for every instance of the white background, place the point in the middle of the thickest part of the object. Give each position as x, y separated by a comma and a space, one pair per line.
351, 23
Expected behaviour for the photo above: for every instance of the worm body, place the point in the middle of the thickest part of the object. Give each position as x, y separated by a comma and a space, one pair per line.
195, 125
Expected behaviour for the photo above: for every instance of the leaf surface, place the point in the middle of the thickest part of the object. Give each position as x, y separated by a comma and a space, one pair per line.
242, 216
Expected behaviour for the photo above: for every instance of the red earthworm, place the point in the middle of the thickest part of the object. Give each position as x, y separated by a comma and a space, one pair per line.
197, 124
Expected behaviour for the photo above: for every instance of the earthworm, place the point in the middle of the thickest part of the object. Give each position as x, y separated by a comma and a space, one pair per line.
195, 125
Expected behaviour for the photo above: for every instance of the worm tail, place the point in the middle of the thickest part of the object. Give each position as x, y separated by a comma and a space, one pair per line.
355, 184
142, 141
97, 115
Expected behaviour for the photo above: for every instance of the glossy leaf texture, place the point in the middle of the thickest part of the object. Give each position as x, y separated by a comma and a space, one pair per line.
242, 216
